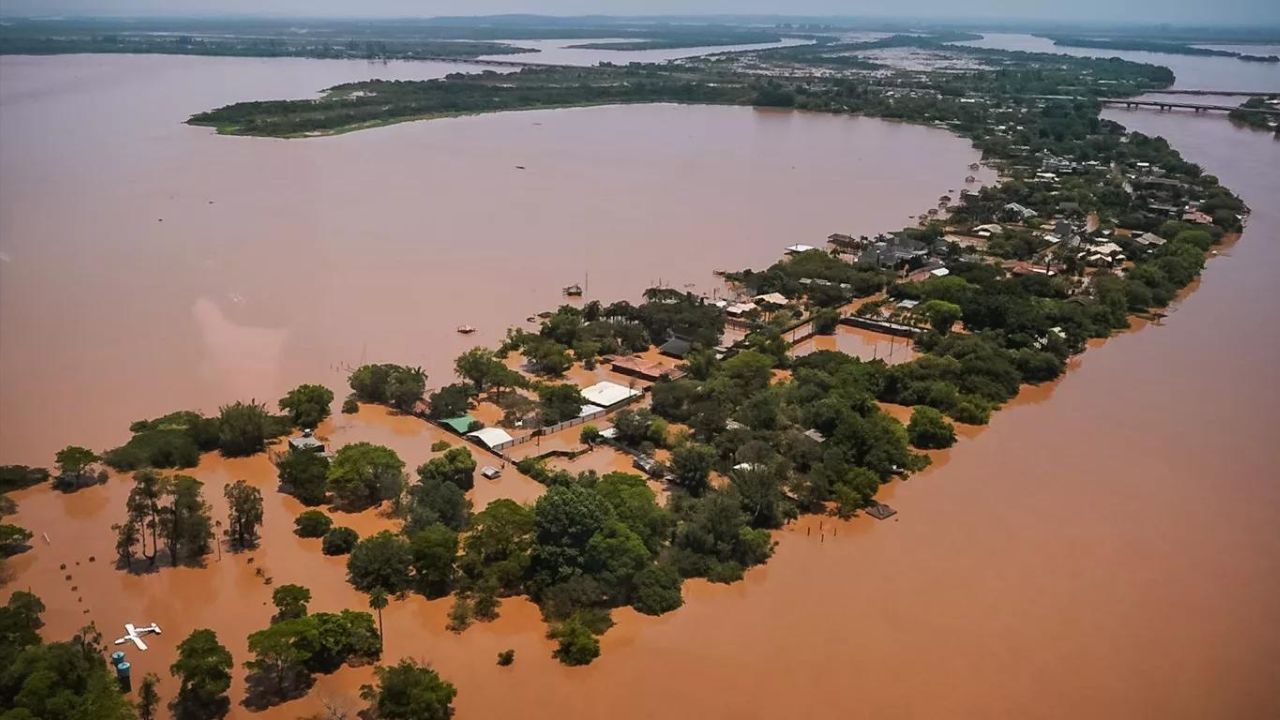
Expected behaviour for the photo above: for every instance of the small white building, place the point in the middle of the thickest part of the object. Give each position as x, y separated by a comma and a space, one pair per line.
605, 394
491, 437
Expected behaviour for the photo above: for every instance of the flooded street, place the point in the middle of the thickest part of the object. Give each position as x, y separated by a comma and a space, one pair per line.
151, 266
1105, 548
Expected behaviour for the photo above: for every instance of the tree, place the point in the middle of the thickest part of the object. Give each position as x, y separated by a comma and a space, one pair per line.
244, 514
381, 561
449, 401
203, 669
657, 590
613, 557
59, 681
456, 465
148, 697
185, 525
405, 387
506, 657
565, 520
311, 524
589, 435
480, 367
12, 539
243, 428
307, 405
559, 402
691, 464
363, 474
576, 644
305, 476
496, 549
942, 315
378, 601
339, 541
281, 652
433, 500
825, 321
547, 357
75, 468
409, 691
929, 430
143, 517
435, 552
290, 601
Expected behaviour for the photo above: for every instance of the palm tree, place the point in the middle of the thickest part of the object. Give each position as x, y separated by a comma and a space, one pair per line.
377, 601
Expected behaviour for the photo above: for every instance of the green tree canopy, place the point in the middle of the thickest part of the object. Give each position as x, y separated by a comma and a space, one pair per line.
307, 405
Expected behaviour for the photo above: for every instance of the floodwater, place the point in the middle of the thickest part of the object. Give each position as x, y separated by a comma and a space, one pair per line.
559, 52
1191, 72
1105, 548
149, 265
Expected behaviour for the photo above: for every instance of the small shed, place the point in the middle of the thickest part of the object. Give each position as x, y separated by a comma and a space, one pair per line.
676, 347
490, 472
491, 437
460, 425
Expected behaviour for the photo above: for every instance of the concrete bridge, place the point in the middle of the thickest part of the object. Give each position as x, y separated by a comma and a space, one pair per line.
1167, 105
1232, 93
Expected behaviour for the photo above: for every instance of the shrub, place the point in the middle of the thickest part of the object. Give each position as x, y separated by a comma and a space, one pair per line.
312, 524
339, 541
929, 430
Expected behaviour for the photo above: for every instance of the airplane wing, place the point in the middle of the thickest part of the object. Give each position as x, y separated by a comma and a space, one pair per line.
129, 629
138, 641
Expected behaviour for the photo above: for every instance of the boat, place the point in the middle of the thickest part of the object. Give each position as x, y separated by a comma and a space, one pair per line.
574, 290
466, 329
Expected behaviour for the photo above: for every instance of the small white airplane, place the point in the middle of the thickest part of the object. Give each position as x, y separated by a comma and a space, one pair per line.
134, 634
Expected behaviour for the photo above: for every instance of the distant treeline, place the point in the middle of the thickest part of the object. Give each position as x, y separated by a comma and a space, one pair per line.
1156, 46
341, 38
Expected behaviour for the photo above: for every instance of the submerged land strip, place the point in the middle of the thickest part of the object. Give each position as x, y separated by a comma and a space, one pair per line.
733, 430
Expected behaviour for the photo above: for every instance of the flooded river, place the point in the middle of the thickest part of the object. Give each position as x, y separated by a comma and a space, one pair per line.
150, 265
1106, 548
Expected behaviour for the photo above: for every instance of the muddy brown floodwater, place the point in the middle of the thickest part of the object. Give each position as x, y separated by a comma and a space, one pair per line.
1106, 547
150, 266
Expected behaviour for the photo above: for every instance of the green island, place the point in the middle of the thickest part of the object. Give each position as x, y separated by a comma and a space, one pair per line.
1245, 113
1155, 46
1089, 226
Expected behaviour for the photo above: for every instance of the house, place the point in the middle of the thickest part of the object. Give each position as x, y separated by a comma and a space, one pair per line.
894, 252
491, 437
772, 299
677, 347
739, 309
306, 442
797, 249
1198, 217
647, 465
639, 367
989, 229
608, 394
1150, 240
815, 436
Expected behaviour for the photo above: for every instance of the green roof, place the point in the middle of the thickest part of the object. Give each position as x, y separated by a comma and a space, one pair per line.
459, 425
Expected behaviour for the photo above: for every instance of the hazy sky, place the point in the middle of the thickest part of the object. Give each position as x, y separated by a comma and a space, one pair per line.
1217, 12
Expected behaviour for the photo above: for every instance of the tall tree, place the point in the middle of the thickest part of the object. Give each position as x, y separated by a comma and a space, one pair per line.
203, 670
243, 428
290, 601
364, 474
307, 405
378, 601
304, 475
409, 691
148, 697
244, 514
185, 524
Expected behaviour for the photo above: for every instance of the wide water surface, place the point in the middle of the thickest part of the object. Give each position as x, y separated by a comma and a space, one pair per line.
150, 265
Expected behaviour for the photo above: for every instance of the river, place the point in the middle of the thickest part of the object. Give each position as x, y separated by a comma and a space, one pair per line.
150, 265
1105, 548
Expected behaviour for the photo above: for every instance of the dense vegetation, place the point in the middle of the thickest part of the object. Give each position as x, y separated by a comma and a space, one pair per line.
1155, 46
67, 680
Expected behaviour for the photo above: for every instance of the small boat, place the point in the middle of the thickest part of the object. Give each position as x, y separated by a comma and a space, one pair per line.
519, 167
574, 290
466, 329
974, 166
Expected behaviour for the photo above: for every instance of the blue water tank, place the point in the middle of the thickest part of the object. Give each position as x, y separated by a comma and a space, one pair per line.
122, 670
117, 657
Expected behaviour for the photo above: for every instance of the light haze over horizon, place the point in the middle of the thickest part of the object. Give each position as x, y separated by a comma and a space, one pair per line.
1084, 12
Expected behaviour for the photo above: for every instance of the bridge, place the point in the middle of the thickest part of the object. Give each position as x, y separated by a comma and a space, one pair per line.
1197, 107
1231, 93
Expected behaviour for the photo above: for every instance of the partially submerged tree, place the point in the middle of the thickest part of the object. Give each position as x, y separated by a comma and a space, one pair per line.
244, 514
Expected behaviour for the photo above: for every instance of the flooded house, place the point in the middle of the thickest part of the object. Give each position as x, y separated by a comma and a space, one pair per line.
306, 442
